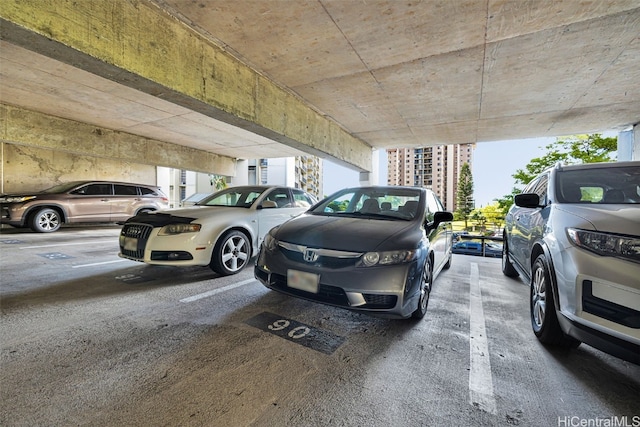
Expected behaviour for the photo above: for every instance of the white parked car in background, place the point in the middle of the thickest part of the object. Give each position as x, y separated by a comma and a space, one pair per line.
222, 231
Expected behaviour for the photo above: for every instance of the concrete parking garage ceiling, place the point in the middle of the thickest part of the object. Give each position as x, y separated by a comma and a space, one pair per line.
390, 73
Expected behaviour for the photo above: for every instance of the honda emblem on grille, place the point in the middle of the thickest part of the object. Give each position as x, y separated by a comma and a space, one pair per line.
310, 255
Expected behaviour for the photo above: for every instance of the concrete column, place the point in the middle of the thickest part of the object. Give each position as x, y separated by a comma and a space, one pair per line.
635, 155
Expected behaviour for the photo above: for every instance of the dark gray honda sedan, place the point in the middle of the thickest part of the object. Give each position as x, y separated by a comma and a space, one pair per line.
371, 249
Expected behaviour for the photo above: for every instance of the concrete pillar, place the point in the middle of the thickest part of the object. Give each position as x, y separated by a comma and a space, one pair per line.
625, 146
635, 155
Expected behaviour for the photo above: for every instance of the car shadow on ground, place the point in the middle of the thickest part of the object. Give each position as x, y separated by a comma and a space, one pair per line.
136, 279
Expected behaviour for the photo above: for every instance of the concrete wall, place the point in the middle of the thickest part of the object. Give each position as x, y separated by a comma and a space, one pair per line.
27, 168
39, 151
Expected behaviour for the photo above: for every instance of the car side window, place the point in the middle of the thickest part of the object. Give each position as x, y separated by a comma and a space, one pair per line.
301, 199
94, 190
280, 196
541, 189
125, 190
147, 191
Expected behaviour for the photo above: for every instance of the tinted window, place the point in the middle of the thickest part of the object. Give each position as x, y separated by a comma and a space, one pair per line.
617, 185
94, 190
539, 187
125, 190
385, 202
238, 196
145, 191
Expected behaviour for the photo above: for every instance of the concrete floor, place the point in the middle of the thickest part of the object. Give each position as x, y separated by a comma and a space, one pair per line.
91, 339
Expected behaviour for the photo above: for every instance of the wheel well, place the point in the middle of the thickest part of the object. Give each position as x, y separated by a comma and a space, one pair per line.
139, 211
535, 253
36, 209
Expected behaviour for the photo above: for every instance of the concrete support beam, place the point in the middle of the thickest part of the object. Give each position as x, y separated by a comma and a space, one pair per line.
28, 128
135, 43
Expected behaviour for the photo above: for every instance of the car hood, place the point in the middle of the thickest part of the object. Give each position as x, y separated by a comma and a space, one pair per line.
349, 234
621, 219
186, 215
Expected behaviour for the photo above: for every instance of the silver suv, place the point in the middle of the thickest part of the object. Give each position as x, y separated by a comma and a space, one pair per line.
574, 236
80, 202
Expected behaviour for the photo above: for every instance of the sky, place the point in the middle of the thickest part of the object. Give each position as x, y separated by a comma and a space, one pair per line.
493, 165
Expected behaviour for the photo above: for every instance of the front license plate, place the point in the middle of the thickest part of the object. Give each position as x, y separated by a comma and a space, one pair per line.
302, 280
130, 244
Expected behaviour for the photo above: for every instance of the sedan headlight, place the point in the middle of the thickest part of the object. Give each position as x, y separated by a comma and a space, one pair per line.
172, 229
16, 199
270, 243
606, 244
388, 258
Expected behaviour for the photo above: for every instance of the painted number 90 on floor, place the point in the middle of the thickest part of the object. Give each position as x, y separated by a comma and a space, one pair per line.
291, 330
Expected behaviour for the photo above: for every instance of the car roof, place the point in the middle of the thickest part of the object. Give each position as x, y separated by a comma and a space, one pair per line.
385, 187
582, 166
108, 182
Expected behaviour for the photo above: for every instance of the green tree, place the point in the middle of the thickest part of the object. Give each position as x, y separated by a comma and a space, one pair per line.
570, 150
575, 149
492, 214
218, 182
464, 199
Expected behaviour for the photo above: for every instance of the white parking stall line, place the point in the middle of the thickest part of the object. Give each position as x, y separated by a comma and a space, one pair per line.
68, 244
99, 263
217, 291
480, 380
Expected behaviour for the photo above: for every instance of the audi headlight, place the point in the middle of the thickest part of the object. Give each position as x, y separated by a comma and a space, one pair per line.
388, 258
172, 229
606, 244
16, 199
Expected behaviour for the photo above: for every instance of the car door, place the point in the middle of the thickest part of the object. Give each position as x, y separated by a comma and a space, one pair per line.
124, 202
440, 236
90, 203
528, 224
276, 207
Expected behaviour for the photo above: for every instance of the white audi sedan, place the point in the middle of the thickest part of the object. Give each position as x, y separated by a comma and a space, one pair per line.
223, 231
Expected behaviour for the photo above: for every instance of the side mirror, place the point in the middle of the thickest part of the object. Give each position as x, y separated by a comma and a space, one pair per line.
527, 200
440, 217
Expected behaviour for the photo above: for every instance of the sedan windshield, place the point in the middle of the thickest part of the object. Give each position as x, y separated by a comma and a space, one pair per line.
610, 185
242, 197
385, 203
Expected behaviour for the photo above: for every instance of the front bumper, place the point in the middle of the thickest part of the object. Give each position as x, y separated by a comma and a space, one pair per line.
599, 300
385, 291
141, 242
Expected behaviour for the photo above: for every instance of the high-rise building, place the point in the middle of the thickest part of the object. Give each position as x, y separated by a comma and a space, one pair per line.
436, 167
304, 172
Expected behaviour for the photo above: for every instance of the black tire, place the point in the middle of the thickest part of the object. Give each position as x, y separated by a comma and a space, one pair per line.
544, 319
231, 253
45, 220
425, 290
507, 267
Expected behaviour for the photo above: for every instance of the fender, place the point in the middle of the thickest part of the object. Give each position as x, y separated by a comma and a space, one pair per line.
552, 273
61, 209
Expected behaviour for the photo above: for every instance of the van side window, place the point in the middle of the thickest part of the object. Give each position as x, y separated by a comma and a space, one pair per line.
95, 190
125, 190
